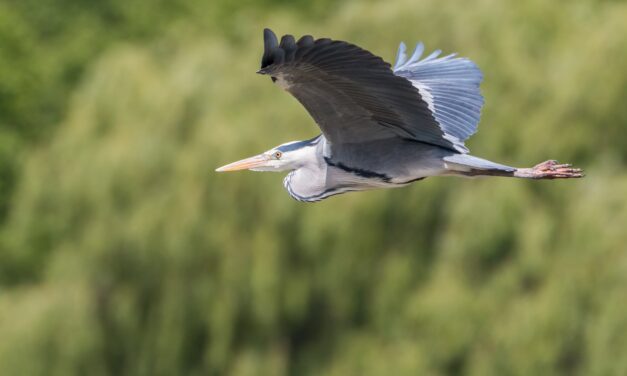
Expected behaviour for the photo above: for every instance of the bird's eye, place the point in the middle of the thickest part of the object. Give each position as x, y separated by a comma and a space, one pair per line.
278, 155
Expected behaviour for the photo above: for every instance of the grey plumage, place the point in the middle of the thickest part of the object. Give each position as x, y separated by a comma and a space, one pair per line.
381, 126
452, 86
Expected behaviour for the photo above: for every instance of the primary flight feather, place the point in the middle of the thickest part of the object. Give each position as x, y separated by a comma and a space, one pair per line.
382, 126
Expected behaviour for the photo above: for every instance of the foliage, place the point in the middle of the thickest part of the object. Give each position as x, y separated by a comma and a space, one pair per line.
124, 253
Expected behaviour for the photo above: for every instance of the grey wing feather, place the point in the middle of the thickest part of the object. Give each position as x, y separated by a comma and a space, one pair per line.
477, 163
352, 94
450, 85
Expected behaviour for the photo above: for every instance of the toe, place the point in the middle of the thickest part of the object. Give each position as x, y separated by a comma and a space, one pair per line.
561, 166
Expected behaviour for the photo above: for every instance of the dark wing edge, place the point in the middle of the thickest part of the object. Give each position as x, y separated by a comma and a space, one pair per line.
351, 93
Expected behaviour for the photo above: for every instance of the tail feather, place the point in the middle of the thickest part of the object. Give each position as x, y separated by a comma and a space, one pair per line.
465, 163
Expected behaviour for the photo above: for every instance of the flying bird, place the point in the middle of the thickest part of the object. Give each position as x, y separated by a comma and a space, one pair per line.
382, 126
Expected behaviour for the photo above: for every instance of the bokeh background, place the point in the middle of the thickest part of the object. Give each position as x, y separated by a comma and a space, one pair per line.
122, 252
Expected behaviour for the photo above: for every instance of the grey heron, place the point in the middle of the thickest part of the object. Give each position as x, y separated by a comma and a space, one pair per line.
382, 126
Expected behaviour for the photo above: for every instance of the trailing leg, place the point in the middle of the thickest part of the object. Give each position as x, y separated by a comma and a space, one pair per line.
471, 166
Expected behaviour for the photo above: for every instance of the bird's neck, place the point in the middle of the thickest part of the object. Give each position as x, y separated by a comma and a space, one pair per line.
308, 182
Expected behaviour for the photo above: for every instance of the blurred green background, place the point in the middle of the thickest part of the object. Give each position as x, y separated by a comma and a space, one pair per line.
122, 252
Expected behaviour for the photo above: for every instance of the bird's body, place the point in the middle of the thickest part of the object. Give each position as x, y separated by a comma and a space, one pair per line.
381, 127
343, 173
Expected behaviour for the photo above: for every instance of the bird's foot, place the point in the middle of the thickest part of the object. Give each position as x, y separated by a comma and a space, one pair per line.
549, 170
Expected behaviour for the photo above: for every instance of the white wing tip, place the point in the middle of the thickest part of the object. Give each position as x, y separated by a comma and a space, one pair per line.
401, 55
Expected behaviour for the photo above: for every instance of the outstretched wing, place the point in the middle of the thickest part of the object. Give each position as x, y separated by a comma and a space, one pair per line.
449, 85
352, 94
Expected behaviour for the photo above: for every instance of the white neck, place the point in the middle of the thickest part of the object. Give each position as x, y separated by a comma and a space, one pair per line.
309, 177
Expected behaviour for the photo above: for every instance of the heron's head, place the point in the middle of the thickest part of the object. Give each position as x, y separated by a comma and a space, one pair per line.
285, 157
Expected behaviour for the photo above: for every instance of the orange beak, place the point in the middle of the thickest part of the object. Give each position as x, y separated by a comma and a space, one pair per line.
245, 164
